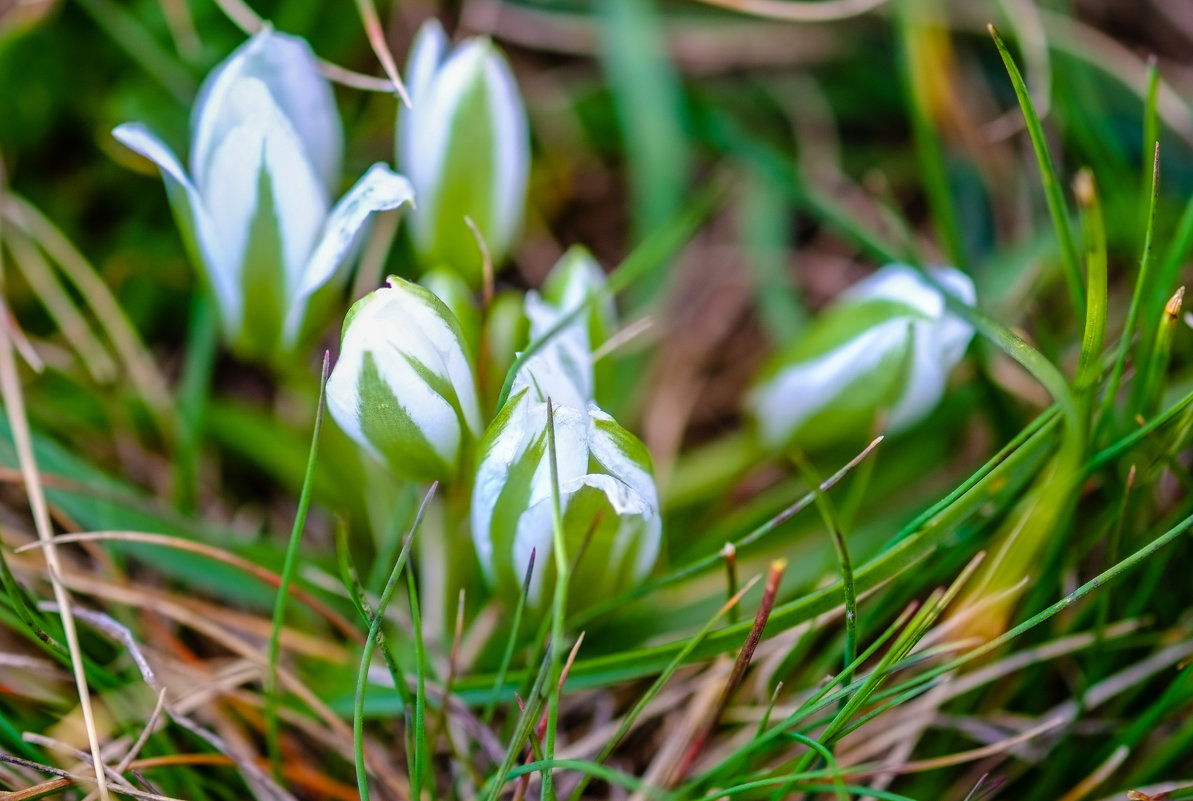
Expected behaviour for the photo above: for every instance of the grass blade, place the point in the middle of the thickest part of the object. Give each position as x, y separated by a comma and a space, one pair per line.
288, 568
1052, 191
391, 585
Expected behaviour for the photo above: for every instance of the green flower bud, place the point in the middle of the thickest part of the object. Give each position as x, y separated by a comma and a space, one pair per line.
885, 347
465, 144
607, 492
403, 387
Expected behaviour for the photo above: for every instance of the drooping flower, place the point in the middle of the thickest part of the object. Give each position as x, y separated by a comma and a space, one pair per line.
465, 146
403, 386
255, 207
608, 499
886, 346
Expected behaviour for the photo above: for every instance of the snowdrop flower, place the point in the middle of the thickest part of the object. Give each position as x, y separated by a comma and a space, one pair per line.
885, 347
574, 278
403, 387
562, 367
255, 208
606, 488
465, 146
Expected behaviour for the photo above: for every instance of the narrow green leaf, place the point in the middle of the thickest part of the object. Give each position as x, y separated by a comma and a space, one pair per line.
289, 566
1052, 187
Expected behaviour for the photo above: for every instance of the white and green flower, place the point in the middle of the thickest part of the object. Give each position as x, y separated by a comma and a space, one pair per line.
609, 501
562, 366
464, 143
403, 386
886, 347
255, 208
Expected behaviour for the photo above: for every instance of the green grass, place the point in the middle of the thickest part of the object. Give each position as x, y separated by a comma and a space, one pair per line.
993, 604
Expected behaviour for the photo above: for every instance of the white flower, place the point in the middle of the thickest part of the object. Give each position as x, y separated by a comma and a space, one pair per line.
465, 146
562, 367
609, 501
255, 209
403, 387
885, 347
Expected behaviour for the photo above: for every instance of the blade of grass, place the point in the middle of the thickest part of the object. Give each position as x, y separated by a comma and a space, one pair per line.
828, 513
61, 309
649, 106
288, 567
1103, 578
1112, 452
418, 773
712, 560
522, 732
128, 33
14, 405
360, 600
928, 148
511, 642
202, 344
1154, 372
28, 614
656, 687
366, 656
1151, 129
1052, 187
559, 605
137, 359
1142, 282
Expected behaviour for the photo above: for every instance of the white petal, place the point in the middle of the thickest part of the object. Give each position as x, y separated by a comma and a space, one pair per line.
430, 411
402, 322
562, 368
502, 448
900, 283
513, 150
621, 465
343, 394
444, 352
426, 55
290, 72
231, 195
638, 524
430, 130
380, 188
952, 334
219, 271
535, 534
574, 278
924, 383
798, 392
536, 525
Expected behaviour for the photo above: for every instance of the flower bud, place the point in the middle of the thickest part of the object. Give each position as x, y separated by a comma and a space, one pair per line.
571, 281
255, 210
885, 347
562, 367
465, 146
403, 387
609, 502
